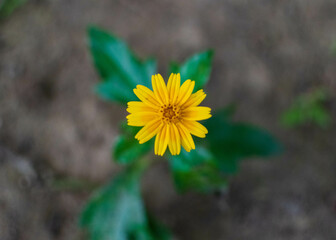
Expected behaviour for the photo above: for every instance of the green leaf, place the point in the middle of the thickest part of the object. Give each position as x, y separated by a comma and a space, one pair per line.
116, 211
120, 70
197, 68
231, 142
8, 6
197, 170
208, 167
115, 91
127, 149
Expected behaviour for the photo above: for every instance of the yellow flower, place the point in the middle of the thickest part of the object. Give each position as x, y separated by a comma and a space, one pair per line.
170, 112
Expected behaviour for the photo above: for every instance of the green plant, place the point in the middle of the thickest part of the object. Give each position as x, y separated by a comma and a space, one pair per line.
308, 108
117, 211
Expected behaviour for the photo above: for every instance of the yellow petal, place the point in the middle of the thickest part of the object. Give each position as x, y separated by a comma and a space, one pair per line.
140, 118
196, 113
136, 106
157, 141
186, 139
185, 91
195, 99
149, 93
146, 96
163, 140
174, 143
175, 88
156, 87
162, 89
149, 130
169, 85
177, 139
171, 143
195, 128
166, 139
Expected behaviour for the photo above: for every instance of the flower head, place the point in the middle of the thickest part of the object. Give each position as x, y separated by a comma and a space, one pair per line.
170, 112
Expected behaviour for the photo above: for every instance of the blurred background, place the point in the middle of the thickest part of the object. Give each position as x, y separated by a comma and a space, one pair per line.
56, 134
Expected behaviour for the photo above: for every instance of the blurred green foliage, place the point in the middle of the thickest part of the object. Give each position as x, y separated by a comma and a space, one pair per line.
208, 167
120, 70
231, 142
117, 212
197, 170
8, 6
308, 108
197, 68
126, 148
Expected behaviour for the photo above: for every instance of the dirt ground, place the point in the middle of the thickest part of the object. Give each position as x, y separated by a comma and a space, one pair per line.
53, 127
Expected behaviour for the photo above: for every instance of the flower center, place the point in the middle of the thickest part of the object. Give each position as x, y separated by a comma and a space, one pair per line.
170, 113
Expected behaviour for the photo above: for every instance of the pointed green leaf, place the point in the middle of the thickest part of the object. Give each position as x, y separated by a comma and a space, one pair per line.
197, 68
116, 211
231, 142
120, 70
